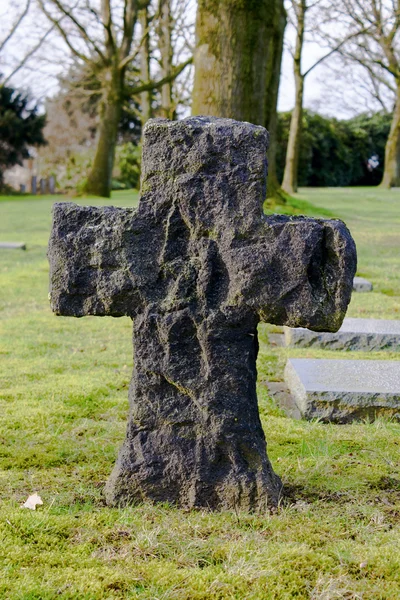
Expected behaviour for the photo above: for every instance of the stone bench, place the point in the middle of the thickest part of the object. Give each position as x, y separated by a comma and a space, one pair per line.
344, 390
355, 334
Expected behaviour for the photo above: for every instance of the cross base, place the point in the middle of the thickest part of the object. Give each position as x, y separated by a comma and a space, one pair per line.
194, 436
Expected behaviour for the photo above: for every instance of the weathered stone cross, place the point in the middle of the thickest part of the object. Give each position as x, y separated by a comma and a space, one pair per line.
197, 266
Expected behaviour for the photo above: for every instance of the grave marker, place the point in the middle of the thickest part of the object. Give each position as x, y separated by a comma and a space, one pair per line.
197, 266
362, 285
354, 334
13, 245
52, 184
43, 186
344, 390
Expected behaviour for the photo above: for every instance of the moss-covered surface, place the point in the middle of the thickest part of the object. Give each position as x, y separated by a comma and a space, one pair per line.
63, 401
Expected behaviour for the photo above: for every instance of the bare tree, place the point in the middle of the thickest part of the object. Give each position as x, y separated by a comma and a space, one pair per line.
373, 43
146, 96
166, 55
305, 16
28, 53
298, 17
15, 25
174, 37
104, 40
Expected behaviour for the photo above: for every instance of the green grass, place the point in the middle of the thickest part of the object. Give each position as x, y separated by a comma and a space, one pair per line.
63, 404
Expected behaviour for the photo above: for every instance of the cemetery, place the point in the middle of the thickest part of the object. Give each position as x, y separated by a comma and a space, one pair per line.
220, 183
64, 405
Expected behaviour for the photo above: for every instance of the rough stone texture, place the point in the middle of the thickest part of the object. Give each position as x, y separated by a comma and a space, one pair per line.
344, 390
197, 266
354, 334
12, 246
362, 285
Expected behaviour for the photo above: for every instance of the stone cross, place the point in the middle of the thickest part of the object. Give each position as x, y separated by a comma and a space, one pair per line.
197, 266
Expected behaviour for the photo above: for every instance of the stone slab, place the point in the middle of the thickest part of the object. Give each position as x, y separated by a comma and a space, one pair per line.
344, 390
355, 334
281, 395
276, 339
362, 285
12, 246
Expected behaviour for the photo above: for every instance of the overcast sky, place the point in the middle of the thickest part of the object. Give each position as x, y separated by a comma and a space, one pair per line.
38, 77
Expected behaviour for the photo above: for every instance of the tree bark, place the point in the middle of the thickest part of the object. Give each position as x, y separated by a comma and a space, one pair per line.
145, 97
166, 51
99, 180
232, 58
289, 184
391, 173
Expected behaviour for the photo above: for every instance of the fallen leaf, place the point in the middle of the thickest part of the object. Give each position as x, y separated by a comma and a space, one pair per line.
33, 501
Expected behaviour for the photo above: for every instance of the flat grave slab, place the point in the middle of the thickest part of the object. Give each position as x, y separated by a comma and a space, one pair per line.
362, 285
344, 390
354, 334
12, 246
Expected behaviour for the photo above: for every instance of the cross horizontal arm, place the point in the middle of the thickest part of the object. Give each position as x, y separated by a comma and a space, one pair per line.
298, 272
92, 260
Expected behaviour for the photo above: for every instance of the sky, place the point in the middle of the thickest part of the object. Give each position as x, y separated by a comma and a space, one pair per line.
39, 76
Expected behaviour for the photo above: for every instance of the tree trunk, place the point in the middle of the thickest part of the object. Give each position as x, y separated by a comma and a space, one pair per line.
166, 51
232, 58
145, 97
275, 51
391, 174
289, 183
99, 180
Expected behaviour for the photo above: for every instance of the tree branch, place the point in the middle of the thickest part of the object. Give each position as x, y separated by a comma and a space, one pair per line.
16, 25
107, 24
80, 27
335, 49
132, 56
155, 85
57, 25
27, 56
130, 16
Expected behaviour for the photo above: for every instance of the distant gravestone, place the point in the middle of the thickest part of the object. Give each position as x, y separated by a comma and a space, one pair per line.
34, 184
43, 186
354, 334
12, 245
362, 285
22, 188
197, 266
52, 184
342, 391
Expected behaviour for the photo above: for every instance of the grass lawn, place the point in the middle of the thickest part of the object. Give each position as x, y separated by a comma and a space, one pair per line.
63, 404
